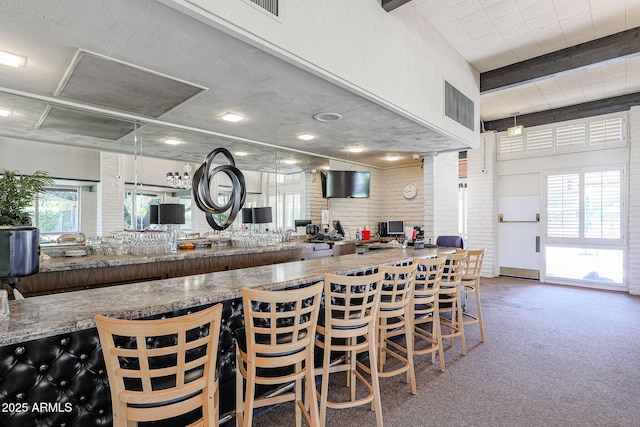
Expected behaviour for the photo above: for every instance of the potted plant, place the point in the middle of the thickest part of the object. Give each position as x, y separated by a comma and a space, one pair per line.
19, 241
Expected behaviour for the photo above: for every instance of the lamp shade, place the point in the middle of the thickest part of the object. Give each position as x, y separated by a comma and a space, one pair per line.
262, 215
247, 216
171, 213
153, 214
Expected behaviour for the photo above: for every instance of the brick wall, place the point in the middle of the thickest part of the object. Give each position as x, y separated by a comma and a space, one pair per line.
110, 194
443, 174
482, 224
633, 277
385, 200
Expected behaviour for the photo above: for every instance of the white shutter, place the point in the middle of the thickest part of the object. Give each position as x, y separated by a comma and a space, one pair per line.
540, 141
563, 205
568, 137
602, 210
605, 132
510, 145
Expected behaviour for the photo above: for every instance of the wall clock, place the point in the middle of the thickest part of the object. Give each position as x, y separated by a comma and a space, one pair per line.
410, 191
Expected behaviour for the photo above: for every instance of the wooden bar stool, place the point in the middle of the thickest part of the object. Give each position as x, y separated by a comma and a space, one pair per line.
159, 369
471, 286
276, 347
394, 319
449, 298
348, 326
425, 306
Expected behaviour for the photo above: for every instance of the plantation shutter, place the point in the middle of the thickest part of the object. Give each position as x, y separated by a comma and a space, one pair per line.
563, 205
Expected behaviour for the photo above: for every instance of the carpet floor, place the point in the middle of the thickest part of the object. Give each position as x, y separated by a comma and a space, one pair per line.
553, 356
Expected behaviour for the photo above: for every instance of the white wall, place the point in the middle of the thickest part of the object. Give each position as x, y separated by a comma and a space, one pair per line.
633, 278
58, 160
394, 67
482, 210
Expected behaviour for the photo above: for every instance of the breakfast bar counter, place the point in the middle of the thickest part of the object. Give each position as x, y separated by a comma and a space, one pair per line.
50, 351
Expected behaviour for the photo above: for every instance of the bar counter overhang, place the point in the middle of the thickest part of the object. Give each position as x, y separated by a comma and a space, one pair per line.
50, 351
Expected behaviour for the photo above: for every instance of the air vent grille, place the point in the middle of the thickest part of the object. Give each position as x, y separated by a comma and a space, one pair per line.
458, 107
270, 6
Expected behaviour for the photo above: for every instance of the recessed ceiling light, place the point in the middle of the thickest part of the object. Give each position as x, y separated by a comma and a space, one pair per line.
12, 60
356, 149
172, 142
230, 117
290, 162
392, 157
327, 117
326, 167
4, 113
241, 153
306, 136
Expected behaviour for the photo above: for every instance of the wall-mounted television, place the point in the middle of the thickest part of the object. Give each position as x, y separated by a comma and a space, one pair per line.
346, 184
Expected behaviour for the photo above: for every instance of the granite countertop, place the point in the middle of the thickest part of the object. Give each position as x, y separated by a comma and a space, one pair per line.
98, 261
50, 315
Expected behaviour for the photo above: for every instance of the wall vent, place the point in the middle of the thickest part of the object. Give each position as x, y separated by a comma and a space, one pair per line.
458, 107
270, 6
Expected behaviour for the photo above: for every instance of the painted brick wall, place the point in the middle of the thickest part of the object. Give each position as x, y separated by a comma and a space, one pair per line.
444, 175
633, 278
88, 211
482, 205
385, 199
110, 194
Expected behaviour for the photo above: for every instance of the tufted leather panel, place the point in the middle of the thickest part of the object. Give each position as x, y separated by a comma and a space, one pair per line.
67, 372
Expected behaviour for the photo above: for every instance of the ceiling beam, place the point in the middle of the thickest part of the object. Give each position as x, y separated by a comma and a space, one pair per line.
389, 5
578, 111
607, 49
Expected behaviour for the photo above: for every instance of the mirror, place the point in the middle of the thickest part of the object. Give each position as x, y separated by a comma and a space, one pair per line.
72, 145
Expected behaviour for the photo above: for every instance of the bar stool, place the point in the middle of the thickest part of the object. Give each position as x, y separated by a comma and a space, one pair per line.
449, 296
276, 348
348, 326
394, 319
425, 306
159, 369
471, 285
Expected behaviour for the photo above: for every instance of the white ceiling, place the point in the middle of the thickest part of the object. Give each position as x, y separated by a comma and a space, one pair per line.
491, 34
280, 99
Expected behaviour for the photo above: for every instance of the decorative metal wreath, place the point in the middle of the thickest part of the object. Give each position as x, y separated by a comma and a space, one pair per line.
202, 193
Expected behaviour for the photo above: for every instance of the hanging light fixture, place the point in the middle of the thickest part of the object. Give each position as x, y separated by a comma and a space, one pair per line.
183, 181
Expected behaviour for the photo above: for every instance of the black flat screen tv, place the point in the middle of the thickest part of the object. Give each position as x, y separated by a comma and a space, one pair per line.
346, 184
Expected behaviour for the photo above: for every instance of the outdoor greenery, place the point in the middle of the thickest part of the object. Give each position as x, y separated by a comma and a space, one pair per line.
16, 194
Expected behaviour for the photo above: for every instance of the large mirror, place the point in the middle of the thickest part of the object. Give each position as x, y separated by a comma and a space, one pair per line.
101, 160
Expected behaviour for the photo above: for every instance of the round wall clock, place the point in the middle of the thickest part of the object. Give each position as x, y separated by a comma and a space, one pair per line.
410, 191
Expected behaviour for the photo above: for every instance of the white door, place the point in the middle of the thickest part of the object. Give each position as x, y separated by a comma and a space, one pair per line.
519, 236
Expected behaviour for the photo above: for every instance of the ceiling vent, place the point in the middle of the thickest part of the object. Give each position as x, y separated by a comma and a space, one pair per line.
105, 82
270, 6
458, 107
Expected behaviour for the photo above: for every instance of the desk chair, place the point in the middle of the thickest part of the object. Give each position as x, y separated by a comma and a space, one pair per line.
276, 347
159, 369
348, 326
450, 241
425, 306
471, 286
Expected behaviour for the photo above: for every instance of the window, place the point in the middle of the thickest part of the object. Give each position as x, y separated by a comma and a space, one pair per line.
137, 211
584, 219
585, 205
56, 211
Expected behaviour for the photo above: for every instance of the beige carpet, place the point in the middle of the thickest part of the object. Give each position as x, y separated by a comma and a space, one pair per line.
553, 356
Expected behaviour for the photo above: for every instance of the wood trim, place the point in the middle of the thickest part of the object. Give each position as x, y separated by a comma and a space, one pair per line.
390, 5
573, 112
606, 49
